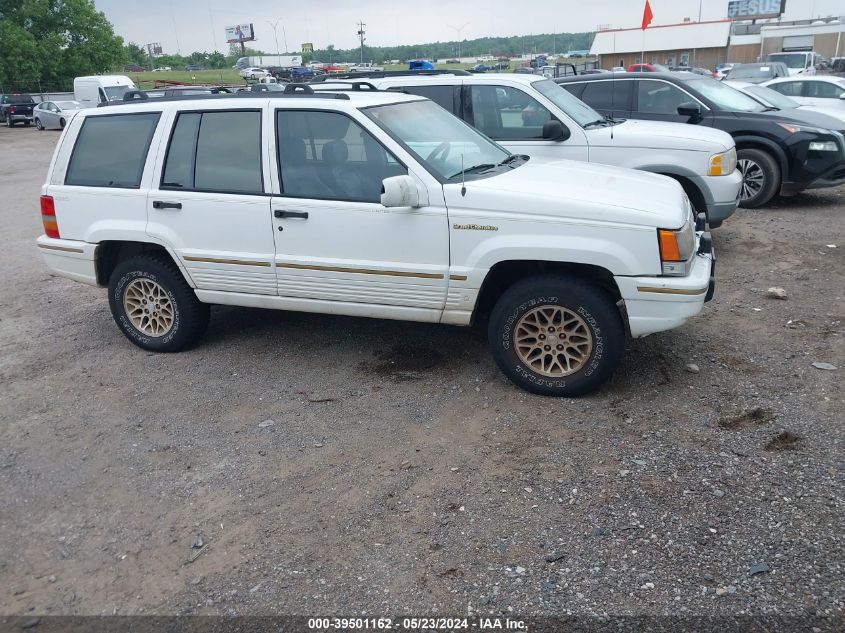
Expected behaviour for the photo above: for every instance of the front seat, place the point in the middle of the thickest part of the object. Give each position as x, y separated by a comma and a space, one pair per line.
298, 178
344, 179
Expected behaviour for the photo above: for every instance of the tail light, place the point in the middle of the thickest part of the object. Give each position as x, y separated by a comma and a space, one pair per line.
10, 109
48, 217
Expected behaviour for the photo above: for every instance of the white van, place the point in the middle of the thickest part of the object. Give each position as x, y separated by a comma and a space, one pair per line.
798, 63
92, 91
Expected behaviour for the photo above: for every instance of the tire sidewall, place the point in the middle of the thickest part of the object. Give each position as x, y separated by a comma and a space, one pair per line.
605, 328
121, 279
767, 167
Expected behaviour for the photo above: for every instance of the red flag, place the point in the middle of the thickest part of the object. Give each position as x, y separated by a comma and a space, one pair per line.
647, 15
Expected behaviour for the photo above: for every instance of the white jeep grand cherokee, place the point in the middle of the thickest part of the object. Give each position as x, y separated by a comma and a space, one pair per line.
368, 204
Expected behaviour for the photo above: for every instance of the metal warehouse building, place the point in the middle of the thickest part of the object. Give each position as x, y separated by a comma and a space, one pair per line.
706, 44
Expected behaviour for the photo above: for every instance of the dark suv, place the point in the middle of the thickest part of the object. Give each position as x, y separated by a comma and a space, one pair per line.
16, 108
775, 152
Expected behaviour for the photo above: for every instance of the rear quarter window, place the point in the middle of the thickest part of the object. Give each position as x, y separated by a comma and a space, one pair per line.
111, 150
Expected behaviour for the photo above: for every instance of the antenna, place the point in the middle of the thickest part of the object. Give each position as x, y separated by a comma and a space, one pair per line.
463, 182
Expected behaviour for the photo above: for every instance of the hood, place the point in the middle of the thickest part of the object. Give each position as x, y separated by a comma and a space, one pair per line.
662, 135
808, 117
578, 191
839, 115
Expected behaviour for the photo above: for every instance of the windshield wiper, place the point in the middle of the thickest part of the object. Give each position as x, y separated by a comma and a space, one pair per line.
771, 109
597, 123
474, 169
512, 158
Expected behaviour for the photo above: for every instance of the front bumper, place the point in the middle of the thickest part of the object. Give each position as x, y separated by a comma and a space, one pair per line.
69, 258
656, 304
721, 195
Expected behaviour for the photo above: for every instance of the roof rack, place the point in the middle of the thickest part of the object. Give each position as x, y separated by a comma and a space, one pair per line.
377, 74
342, 84
297, 90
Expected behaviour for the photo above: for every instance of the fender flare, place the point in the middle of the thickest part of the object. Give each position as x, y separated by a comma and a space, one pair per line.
773, 148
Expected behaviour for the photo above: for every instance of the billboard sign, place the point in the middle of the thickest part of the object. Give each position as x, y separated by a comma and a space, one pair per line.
307, 48
239, 33
753, 9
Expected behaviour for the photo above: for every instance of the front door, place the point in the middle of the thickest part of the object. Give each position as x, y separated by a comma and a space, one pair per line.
335, 243
515, 120
209, 202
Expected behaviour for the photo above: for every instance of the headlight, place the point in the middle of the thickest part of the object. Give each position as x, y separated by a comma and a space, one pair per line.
723, 164
823, 146
676, 249
794, 127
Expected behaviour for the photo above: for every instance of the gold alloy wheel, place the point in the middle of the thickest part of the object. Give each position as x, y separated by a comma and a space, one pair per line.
148, 307
553, 341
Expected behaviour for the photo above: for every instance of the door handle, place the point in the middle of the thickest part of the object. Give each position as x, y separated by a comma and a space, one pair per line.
279, 213
159, 204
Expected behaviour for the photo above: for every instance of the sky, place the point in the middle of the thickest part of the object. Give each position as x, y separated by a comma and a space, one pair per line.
198, 25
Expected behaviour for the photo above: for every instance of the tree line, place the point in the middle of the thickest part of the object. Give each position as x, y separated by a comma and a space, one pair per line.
44, 44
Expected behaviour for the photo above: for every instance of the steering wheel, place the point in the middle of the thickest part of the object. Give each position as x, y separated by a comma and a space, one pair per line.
441, 152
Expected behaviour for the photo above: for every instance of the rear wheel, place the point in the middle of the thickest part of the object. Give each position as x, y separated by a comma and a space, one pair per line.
154, 306
556, 335
27, 123
760, 177
9, 122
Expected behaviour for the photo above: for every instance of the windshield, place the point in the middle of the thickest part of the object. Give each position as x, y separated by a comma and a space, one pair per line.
772, 97
750, 72
115, 93
563, 99
725, 97
441, 141
69, 105
792, 60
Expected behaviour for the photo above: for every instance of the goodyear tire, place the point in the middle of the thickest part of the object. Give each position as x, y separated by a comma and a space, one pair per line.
154, 306
556, 335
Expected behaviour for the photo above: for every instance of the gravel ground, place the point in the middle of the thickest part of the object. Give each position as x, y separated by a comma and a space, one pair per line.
359, 467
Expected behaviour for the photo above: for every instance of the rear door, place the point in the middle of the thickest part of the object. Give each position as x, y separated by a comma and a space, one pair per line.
209, 202
609, 97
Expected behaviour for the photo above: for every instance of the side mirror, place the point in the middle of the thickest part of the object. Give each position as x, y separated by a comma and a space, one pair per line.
400, 191
690, 109
555, 131
842, 96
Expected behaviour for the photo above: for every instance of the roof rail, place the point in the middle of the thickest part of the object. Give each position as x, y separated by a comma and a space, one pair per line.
377, 74
298, 91
342, 84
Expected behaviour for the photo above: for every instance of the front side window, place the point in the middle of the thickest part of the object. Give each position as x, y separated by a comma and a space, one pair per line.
788, 88
327, 155
505, 113
110, 150
217, 151
444, 144
659, 97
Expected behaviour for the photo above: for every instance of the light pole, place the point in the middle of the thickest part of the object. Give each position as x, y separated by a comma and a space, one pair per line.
458, 30
274, 26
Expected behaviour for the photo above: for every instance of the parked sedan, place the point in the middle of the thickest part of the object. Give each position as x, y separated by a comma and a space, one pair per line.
254, 73
773, 99
819, 90
53, 115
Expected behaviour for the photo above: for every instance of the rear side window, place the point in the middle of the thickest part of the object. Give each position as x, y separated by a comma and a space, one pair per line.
215, 151
444, 96
789, 88
110, 150
607, 95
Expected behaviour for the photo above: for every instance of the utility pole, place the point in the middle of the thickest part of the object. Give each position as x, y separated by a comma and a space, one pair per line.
458, 30
275, 26
361, 37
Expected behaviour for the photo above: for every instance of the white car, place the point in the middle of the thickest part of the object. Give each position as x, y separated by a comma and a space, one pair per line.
820, 90
775, 99
529, 114
254, 73
50, 115
368, 204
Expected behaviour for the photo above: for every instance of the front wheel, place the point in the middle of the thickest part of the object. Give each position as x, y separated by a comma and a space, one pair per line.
556, 335
62, 123
38, 125
760, 177
154, 306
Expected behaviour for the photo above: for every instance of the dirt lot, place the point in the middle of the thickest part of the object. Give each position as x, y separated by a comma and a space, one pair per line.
401, 473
